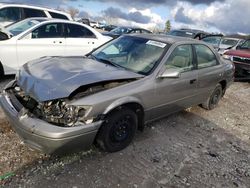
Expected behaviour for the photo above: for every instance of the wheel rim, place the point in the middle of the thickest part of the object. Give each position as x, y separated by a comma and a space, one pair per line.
121, 130
216, 97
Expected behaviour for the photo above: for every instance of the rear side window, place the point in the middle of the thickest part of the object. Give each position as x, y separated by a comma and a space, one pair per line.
53, 30
12, 14
59, 16
77, 31
29, 13
205, 56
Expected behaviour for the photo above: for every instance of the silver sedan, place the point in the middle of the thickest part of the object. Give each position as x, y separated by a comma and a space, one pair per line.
57, 104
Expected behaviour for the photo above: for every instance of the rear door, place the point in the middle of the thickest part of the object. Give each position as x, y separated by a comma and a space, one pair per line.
79, 40
46, 40
209, 70
174, 94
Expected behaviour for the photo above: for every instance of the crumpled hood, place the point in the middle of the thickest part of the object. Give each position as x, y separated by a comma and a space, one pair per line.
52, 78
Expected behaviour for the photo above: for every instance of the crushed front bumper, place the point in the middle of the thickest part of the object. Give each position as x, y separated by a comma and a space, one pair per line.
47, 137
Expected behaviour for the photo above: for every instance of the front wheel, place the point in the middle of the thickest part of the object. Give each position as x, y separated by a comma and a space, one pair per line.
214, 98
118, 130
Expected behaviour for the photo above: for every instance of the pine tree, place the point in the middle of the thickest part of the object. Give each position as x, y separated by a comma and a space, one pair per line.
167, 26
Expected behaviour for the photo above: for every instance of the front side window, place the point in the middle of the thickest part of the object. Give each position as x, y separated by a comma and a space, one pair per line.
53, 30
12, 14
78, 31
132, 53
29, 13
246, 45
181, 58
205, 56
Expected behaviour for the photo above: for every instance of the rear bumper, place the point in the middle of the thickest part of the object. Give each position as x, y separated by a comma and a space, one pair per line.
47, 137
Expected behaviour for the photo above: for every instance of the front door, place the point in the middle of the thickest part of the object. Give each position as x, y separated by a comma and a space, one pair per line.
174, 94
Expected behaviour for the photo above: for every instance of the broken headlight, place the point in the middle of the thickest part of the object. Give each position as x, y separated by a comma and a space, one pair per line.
60, 113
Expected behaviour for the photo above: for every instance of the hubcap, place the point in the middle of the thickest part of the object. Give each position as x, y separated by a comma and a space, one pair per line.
120, 131
216, 97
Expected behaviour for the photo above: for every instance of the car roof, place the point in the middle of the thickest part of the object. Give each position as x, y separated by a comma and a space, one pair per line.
2, 5
195, 31
46, 19
165, 38
231, 38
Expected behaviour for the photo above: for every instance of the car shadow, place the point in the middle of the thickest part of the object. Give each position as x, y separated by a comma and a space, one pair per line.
181, 150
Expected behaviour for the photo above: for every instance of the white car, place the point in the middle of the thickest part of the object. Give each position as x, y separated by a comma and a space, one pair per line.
38, 37
10, 13
94, 24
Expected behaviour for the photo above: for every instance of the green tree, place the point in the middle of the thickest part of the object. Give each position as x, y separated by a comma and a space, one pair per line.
167, 26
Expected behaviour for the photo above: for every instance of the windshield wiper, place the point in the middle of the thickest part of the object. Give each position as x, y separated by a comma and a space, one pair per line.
106, 61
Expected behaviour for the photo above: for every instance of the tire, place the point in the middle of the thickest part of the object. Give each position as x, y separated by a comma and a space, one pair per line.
213, 100
118, 131
1, 71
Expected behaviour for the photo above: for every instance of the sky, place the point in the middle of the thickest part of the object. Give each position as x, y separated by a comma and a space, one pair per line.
225, 16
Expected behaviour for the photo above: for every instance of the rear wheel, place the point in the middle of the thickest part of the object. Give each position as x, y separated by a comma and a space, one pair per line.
214, 98
118, 130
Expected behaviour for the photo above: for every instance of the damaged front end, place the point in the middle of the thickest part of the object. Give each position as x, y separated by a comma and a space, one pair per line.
58, 112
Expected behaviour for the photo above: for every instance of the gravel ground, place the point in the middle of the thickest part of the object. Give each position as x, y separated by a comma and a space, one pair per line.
192, 148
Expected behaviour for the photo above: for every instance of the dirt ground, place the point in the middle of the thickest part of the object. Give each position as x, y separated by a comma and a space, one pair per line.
192, 148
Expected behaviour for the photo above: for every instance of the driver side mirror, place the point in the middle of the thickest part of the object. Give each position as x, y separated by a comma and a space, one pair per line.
3, 36
171, 73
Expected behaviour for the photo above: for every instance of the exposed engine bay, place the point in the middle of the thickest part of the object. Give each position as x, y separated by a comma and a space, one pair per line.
58, 112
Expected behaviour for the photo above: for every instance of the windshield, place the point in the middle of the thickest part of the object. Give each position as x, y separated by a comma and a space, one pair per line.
245, 45
214, 40
132, 53
229, 42
181, 33
121, 30
19, 27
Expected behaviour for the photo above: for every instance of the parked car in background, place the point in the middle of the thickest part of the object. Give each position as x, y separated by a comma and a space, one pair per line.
110, 94
125, 30
33, 38
213, 40
101, 25
108, 27
222, 43
10, 13
94, 24
84, 21
241, 59
189, 33
226, 43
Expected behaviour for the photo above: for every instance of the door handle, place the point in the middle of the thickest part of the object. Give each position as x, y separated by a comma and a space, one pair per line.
60, 42
193, 81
